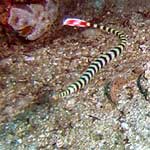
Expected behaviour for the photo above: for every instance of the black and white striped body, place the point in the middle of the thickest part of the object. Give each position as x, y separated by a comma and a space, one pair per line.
97, 64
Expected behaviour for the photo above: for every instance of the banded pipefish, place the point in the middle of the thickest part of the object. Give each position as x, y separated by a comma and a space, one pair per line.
98, 63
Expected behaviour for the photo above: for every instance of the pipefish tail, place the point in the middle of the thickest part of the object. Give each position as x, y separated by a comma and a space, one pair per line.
98, 63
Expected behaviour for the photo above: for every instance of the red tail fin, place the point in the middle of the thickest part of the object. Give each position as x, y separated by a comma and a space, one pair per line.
76, 22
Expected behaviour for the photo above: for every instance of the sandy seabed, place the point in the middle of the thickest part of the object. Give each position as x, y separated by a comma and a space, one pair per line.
88, 119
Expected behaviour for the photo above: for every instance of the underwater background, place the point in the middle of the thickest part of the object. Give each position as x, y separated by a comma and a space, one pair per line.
38, 56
